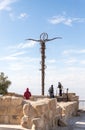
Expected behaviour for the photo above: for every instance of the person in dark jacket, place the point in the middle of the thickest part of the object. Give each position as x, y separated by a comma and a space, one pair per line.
60, 88
27, 94
51, 91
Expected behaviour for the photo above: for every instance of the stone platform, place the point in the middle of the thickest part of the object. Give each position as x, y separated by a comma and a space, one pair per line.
36, 114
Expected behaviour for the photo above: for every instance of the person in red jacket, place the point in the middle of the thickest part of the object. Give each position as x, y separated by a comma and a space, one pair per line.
27, 94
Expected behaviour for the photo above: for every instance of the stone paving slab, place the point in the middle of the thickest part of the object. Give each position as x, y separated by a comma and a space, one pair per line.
12, 127
80, 124
75, 123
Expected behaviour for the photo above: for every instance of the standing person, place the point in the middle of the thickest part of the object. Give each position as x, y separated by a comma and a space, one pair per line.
27, 94
60, 88
51, 91
67, 93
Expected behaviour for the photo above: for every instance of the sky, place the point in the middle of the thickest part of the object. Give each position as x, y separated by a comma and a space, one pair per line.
65, 58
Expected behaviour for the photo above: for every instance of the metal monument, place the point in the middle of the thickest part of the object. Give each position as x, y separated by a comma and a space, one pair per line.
43, 39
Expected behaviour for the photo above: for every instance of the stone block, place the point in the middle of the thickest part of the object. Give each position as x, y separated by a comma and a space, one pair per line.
3, 110
5, 101
4, 119
14, 119
29, 110
38, 124
58, 111
16, 101
42, 110
62, 123
52, 108
15, 110
26, 122
1, 101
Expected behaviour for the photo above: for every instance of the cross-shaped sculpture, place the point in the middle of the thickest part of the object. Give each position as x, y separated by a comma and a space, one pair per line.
43, 39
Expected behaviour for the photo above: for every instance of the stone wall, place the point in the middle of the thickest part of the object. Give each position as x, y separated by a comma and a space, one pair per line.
40, 115
45, 114
37, 113
11, 110
69, 109
67, 97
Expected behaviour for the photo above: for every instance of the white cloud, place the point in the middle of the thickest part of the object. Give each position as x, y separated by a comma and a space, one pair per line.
17, 58
66, 52
18, 53
57, 19
23, 16
4, 58
27, 44
22, 63
5, 4
74, 57
51, 61
71, 61
17, 62
13, 56
15, 66
74, 51
12, 16
82, 62
65, 20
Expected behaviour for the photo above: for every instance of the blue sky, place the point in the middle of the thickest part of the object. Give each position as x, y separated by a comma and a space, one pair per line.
65, 58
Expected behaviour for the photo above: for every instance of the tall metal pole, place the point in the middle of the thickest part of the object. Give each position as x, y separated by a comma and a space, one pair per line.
43, 66
43, 40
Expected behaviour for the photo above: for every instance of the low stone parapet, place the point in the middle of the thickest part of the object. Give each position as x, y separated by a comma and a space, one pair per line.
11, 110
39, 114
69, 109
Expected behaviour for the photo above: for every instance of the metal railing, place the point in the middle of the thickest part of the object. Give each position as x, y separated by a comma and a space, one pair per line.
81, 104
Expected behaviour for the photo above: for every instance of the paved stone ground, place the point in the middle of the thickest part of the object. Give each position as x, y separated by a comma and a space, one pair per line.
11, 127
75, 123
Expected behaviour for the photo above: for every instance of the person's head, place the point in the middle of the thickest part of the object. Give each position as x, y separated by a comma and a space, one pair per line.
67, 89
27, 89
52, 87
59, 83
